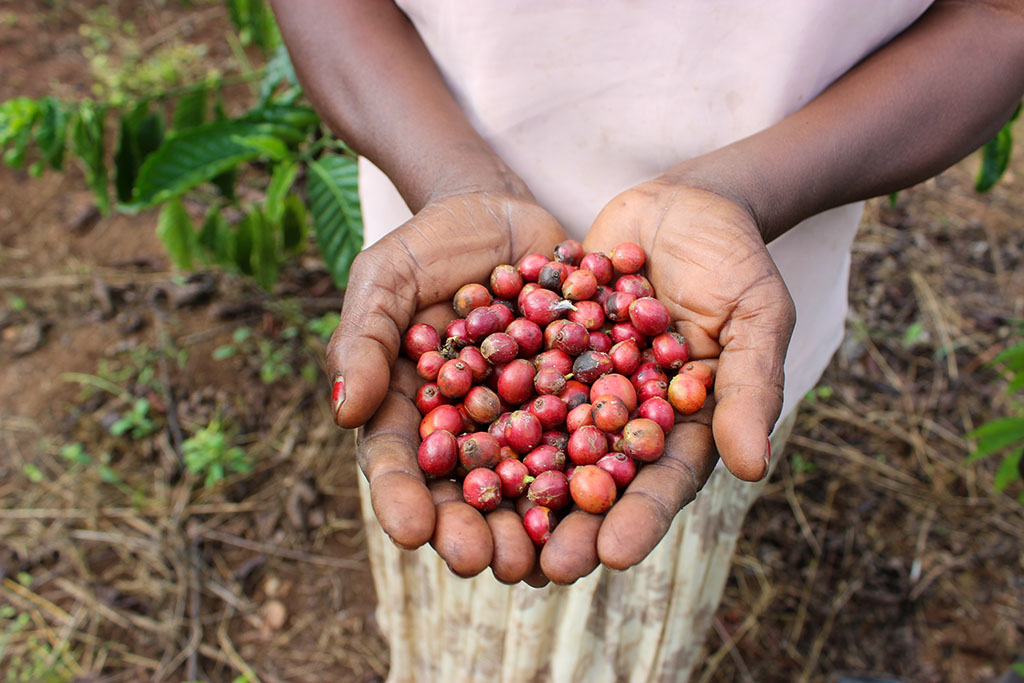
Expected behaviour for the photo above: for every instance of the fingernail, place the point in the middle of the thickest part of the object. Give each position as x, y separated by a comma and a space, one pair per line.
337, 397
767, 457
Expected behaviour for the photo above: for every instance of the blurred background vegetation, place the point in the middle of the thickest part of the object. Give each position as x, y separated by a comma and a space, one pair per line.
176, 227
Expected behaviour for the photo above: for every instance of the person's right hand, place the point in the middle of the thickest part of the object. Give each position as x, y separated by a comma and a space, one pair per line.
410, 276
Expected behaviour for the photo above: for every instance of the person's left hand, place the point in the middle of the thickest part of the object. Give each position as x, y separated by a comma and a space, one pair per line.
710, 267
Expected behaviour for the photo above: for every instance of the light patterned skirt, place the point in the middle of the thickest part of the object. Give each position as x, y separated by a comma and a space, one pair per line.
644, 624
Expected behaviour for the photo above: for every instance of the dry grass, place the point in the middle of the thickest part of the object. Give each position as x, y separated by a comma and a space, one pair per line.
874, 548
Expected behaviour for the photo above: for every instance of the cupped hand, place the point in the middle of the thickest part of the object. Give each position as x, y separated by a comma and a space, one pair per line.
710, 267
407, 277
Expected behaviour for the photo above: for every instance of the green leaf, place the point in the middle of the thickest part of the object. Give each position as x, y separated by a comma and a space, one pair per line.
995, 156
279, 69
995, 435
265, 263
199, 154
190, 111
913, 334
243, 245
294, 225
268, 145
216, 238
174, 228
121, 426
34, 474
1007, 472
1012, 358
87, 138
280, 182
16, 124
239, 11
16, 115
270, 35
255, 23
141, 135
224, 352
337, 218
224, 182
51, 136
299, 117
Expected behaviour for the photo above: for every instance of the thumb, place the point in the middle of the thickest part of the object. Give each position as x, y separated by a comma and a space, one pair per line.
379, 303
749, 383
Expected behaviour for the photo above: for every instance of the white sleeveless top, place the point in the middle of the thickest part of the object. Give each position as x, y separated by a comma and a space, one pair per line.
586, 98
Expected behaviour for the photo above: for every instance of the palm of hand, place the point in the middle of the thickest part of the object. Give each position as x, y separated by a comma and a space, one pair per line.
409, 277
710, 267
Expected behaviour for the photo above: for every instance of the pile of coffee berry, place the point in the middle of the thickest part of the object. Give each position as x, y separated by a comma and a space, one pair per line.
556, 383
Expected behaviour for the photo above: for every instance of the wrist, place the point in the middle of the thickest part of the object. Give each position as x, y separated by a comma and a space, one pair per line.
726, 172
466, 169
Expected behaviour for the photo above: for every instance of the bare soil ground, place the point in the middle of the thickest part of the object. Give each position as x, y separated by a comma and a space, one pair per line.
874, 549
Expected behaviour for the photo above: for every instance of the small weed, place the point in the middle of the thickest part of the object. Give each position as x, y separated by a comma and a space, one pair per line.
915, 334
272, 357
801, 465
820, 393
274, 363
135, 422
323, 326
138, 366
34, 474
17, 303
208, 453
123, 69
75, 453
36, 661
1005, 433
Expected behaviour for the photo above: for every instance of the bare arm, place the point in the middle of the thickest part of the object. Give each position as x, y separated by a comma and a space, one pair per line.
367, 72
920, 103
925, 100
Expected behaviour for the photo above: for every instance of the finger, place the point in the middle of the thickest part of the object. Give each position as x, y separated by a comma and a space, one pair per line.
514, 554
387, 456
571, 552
419, 264
639, 520
536, 578
462, 538
379, 303
749, 383
444, 491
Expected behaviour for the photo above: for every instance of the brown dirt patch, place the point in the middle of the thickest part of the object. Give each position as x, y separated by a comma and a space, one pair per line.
874, 548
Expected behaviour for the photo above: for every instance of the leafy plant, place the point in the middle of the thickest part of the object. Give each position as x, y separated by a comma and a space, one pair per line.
1006, 433
37, 661
201, 155
995, 156
209, 453
135, 422
75, 454
323, 327
275, 358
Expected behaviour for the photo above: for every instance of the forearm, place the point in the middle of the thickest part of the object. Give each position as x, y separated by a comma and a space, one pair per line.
928, 98
365, 69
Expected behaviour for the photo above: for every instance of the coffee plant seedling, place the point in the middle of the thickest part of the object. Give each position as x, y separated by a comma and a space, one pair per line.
209, 453
200, 153
1005, 433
